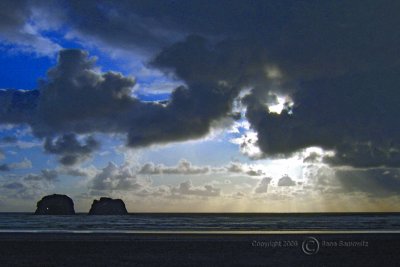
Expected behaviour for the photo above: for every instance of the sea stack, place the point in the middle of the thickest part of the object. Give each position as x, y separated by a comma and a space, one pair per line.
55, 205
108, 206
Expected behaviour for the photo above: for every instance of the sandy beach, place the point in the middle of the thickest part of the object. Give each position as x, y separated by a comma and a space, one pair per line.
206, 249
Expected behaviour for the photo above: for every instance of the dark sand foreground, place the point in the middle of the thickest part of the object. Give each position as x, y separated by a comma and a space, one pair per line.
188, 249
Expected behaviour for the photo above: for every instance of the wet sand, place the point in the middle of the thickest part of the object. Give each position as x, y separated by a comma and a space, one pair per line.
210, 249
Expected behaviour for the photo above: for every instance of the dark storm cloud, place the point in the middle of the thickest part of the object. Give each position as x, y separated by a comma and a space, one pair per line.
17, 106
151, 25
307, 38
4, 167
75, 99
355, 115
12, 13
119, 24
337, 60
340, 68
193, 108
292, 30
70, 149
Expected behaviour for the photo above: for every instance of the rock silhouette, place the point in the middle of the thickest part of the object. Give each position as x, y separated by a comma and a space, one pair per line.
55, 205
108, 206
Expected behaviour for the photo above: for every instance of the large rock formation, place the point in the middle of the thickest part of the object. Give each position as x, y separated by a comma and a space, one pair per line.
55, 205
108, 206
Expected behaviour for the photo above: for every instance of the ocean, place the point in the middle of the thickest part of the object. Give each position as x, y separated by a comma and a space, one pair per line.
200, 222
201, 239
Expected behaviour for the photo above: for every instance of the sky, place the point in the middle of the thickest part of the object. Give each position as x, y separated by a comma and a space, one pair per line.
201, 106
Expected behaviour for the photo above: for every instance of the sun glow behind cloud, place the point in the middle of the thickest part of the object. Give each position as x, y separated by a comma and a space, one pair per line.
282, 102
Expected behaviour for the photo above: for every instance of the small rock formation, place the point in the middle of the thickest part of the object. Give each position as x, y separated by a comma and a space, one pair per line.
108, 206
55, 205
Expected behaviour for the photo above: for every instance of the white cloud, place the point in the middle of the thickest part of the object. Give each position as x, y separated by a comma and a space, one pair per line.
236, 167
248, 144
187, 188
114, 177
183, 167
30, 186
24, 164
286, 181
